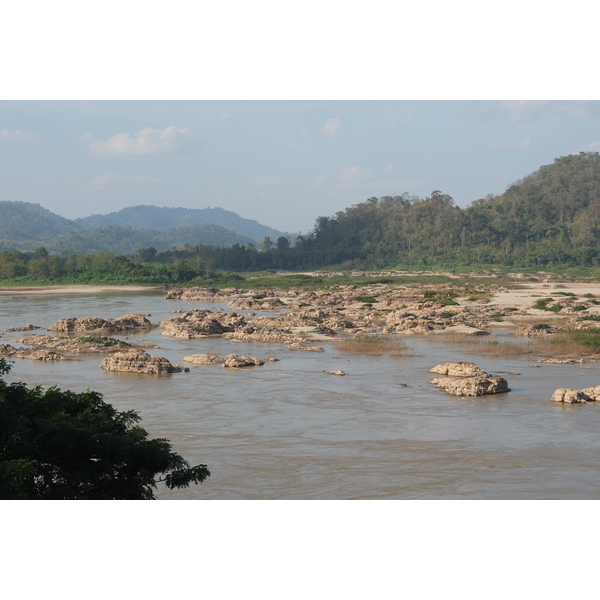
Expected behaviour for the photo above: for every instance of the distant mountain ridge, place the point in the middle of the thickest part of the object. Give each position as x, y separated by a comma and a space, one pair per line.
164, 218
24, 225
26, 221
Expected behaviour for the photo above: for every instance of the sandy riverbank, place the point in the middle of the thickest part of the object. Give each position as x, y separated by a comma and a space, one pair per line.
75, 289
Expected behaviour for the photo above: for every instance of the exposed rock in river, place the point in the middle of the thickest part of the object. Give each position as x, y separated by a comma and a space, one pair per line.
467, 379
124, 323
78, 345
207, 294
472, 386
138, 362
204, 359
235, 360
30, 353
26, 327
570, 396
199, 322
458, 369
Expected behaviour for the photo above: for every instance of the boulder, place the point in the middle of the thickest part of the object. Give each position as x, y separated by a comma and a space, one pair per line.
570, 396
138, 362
204, 359
31, 353
129, 321
472, 386
236, 361
459, 369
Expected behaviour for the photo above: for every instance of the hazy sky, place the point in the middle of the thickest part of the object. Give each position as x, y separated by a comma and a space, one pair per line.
283, 163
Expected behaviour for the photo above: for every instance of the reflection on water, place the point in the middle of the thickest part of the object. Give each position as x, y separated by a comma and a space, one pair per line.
290, 430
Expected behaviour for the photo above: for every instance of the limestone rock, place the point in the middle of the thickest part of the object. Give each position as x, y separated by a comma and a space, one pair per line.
235, 360
204, 359
570, 396
138, 362
26, 327
199, 322
200, 294
472, 386
337, 372
459, 369
129, 321
31, 353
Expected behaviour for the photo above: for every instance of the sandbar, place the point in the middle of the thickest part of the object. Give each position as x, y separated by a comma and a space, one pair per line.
50, 290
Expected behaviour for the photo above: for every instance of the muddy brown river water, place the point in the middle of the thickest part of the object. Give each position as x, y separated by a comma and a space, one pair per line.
288, 430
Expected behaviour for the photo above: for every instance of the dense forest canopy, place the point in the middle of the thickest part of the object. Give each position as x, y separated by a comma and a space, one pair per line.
549, 218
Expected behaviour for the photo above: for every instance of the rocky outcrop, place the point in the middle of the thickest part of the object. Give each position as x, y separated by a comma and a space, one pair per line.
467, 379
30, 353
535, 331
472, 386
562, 361
200, 322
305, 347
138, 362
26, 327
458, 369
124, 323
200, 294
78, 345
570, 396
236, 361
204, 359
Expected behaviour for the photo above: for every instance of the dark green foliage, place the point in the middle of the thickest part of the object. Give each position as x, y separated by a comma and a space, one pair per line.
60, 445
366, 299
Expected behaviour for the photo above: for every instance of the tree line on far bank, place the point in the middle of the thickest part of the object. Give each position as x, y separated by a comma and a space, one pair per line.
549, 218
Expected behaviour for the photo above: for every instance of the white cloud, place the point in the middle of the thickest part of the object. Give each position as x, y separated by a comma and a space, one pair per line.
355, 174
332, 127
225, 116
147, 142
388, 170
524, 143
399, 119
593, 147
19, 136
268, 179
106, 180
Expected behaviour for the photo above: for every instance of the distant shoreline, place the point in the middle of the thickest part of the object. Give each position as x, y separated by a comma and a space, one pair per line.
49, 290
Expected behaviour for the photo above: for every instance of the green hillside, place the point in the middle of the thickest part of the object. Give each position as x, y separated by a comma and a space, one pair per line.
164, 218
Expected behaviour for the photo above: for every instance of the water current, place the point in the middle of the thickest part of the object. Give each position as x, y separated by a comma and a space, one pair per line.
291, 430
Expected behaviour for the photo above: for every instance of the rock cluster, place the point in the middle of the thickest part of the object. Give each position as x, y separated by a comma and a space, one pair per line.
124, 323
570, 396
200, 322
458, 369
26, 327
236, 361
30, 353
204, 359
138, 362
472, 381
200, 294
77, 345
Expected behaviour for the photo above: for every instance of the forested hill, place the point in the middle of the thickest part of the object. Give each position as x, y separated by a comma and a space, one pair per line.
26, 221
551, 216
164, 218
27, 226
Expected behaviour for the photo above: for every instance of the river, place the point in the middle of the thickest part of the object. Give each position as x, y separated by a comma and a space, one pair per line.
291, 430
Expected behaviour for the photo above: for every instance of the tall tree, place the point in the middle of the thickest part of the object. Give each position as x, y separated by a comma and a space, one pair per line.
60, 445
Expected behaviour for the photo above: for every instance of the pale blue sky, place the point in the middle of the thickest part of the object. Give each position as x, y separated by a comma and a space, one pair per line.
283, 163
353, 109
